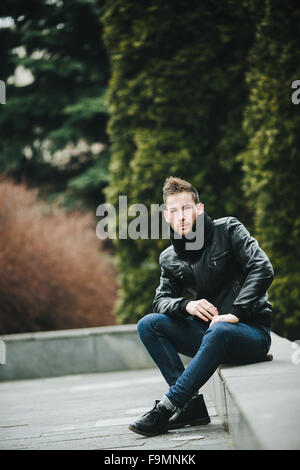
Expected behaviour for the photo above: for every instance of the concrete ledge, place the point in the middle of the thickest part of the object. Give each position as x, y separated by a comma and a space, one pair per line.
76, 351
259, 403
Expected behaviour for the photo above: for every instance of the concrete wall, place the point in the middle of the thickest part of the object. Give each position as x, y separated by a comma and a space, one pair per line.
76, 351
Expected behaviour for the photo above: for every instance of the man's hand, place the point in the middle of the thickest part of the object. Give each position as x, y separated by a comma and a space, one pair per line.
228, 317
202, 309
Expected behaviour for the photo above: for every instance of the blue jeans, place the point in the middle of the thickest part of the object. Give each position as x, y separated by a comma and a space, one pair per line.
223, 343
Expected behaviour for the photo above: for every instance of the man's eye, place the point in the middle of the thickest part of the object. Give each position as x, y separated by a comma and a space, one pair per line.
173, 210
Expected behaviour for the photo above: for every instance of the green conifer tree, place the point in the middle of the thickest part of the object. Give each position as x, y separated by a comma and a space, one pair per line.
271, 161
61, 105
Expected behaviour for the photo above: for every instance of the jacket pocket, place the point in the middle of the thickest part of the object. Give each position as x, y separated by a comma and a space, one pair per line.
219, 257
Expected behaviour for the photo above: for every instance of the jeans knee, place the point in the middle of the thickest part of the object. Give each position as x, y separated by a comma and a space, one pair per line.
145, 324
219, 329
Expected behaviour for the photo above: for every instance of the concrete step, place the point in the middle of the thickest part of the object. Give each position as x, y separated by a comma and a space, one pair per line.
259, 404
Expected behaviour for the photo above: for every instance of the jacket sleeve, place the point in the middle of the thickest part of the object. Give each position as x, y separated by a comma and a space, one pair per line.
257, 269
168, 298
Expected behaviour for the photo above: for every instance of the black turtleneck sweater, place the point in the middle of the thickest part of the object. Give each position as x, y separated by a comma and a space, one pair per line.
192, 254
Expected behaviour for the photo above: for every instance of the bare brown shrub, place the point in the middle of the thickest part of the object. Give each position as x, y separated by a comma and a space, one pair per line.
54, 273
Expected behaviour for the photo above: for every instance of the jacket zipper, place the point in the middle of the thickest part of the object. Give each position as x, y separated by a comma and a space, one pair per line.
220, 257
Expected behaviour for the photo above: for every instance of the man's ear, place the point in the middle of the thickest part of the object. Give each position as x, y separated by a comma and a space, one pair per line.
166, 216
200, 208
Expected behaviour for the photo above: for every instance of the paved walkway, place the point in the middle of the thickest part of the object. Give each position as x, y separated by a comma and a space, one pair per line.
92, 411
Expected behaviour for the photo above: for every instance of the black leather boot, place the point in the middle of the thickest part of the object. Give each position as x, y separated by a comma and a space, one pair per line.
153, 422
194, 412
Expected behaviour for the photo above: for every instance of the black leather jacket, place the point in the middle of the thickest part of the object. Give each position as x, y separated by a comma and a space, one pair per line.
233, 273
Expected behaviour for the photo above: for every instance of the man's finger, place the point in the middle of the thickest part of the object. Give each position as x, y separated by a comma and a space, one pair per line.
214, 309
200, 315
216, 319
204, 312
211, 308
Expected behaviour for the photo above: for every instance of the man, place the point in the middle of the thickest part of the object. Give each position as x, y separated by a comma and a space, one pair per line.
229, 320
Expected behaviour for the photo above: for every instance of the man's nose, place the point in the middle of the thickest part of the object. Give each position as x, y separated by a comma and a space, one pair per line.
181, 215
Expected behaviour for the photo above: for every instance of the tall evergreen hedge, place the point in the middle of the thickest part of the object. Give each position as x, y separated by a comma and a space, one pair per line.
176, 97
271, 161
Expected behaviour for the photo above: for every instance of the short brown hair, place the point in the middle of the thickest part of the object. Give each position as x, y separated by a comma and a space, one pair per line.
174, 185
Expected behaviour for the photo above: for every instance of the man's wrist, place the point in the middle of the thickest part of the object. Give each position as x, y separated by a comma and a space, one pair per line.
235, 317
183, 305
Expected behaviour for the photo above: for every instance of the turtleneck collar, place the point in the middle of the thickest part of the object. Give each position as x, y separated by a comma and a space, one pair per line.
179, 243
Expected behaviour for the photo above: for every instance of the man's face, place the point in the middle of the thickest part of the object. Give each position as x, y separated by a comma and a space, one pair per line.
182, 211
